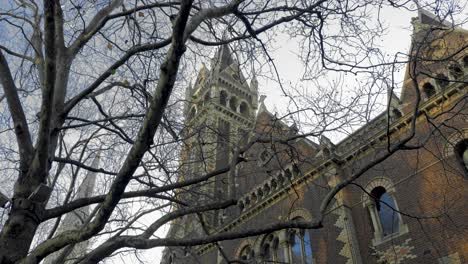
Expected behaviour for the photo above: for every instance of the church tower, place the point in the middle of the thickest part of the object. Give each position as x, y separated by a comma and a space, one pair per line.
220, 113
76, 219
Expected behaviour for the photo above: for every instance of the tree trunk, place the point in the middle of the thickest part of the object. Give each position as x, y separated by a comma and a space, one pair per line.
18, 232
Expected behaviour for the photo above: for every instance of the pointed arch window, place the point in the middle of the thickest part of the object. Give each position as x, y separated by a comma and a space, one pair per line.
379, 200
244, 109
461, 153
385, 208
429, 89
442, 80
383, 211
455, 70
396, 113
270, 250
465, 62
223, 98
247, 254
300, 248
233, 103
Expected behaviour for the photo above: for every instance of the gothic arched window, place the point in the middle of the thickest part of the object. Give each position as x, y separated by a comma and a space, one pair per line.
270, 250
465, 61
388, 219
461, 152
279, 251
442, 80
233, 103
380, 202
296, 248
244, 109
267, 254
455, 70
396, 113
247, 253
300, 248
429, 89
223, 98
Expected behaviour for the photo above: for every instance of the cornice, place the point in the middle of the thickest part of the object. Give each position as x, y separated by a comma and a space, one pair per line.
432, 105
349, 148
279, 193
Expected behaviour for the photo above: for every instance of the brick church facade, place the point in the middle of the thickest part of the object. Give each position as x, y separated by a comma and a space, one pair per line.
412, 207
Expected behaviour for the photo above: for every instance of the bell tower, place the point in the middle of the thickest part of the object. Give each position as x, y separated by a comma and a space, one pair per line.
220, 113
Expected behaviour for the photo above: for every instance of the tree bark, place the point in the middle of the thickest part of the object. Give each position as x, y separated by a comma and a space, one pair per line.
19, 230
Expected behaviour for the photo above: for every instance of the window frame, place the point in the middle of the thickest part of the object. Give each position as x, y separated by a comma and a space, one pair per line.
459, 150
301, 234
249, 255
429, 89
272, 242
369, 204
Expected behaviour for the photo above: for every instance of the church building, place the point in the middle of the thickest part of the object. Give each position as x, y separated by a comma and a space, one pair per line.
409, 207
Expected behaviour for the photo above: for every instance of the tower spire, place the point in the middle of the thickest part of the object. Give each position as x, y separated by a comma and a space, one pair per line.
223, 57
86, 187
254, 82
75, 219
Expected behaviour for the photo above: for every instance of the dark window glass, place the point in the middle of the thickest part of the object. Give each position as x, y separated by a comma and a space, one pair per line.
244, 109
429, 89
307, 249
442, 80
246, 253
465, 158
222, 98
461, 152
267, 253
396, 113
385, 206
233, 103
296, 249
455, 70
279, 252
388, 216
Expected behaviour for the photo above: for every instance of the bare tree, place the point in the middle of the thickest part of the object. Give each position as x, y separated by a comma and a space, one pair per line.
88, 78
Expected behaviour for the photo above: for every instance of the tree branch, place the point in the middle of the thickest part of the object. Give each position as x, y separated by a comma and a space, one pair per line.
23, 137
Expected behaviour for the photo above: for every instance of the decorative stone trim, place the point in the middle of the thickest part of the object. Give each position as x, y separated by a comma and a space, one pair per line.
395, 254
347, 235
453, 140
374, 133
246, 242
367, 203
402, 229
269, 187
276, 194
300, 212
376, 182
